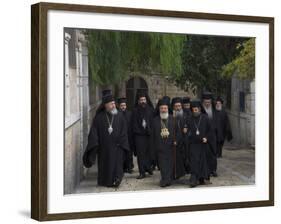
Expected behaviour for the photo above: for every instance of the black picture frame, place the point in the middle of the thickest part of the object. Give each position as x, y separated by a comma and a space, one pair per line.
39, 108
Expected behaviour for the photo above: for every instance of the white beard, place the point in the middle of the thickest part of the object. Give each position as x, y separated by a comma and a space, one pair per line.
164, 116
219, 108
209, 112
114, 111
179, 113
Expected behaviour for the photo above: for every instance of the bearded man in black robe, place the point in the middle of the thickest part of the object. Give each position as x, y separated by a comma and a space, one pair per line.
142, 117
186, 106
182, 120
107, 140
167, 141
223, 126
207, 102
128, 155
167, 100
200, 144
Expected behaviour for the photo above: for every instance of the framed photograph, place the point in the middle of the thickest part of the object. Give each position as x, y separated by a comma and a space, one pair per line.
140, 111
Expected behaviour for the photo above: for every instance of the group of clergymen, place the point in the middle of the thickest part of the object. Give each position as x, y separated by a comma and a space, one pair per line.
178, 137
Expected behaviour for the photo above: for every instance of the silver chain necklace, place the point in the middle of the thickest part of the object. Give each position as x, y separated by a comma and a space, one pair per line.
110, 129
197, 126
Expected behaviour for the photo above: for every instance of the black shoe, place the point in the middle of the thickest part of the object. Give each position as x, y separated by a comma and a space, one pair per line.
214, 174
116, 183
201, 181
164, 184
130, 171
141, 176
193, 184
193, 181
150, 172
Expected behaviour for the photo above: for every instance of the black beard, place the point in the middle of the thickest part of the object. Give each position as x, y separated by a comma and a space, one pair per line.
142, 105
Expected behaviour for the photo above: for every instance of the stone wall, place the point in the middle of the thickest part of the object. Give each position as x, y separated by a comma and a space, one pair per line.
158, 86
77, 109
243, 122
72, 152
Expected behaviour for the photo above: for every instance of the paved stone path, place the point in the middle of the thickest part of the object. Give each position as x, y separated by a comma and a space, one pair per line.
237, 167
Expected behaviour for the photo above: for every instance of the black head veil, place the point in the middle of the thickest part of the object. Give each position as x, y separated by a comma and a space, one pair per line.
106, 97
197, 103
143, 93
167, 100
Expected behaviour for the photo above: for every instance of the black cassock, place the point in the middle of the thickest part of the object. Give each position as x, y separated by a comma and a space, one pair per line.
212, 154
109, 148
199, 151
128, 154
142, 137
223, 130
185, 122
170, 157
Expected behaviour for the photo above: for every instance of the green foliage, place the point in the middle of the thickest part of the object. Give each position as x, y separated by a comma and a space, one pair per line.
203, 58
244, 63
113, 54
170, 54
103, 47
194, 62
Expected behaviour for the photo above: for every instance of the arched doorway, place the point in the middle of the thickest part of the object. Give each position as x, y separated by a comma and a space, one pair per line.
131, 88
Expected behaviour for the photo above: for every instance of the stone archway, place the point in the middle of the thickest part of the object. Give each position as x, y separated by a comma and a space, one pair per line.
132, 85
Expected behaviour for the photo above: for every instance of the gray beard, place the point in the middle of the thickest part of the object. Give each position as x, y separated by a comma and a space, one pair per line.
114, 111
196, 114
219, 108
164, 116
179, 113
209, 112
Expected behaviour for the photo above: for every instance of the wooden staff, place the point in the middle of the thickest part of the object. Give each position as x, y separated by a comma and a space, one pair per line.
174, 145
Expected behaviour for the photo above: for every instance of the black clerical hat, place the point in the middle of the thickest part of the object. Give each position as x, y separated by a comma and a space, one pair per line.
195, 103
167, 98
219, 99
185, 100
107, 96
207, 96
122, 100
107, 99
163, 101
176, 100
142, 93
106, 92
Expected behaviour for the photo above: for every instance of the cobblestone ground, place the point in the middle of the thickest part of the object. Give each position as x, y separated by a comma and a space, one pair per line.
236, 167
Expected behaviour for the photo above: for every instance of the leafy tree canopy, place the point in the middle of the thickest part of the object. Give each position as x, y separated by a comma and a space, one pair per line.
203, 58
113, 54
243, 63
193, 62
